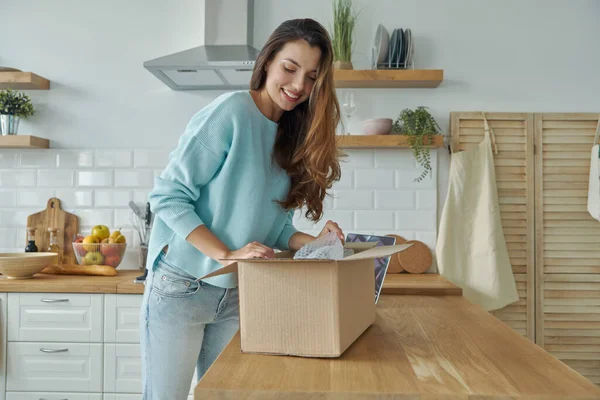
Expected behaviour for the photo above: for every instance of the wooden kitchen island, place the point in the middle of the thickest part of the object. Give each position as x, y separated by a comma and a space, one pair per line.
421, 347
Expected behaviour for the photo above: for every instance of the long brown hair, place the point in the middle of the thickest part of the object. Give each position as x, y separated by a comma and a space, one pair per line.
305, 145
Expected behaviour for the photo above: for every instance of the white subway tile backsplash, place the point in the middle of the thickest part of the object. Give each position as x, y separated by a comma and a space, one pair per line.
374, 179
8, 237
134, 179
394, 200
345, 219
150, 158
346, 180
426, 199
302, 223
8, 159
140, 196
376, 193
428, 238
123, 219
366, 220
353, 200
20, 178
75, 158
72, 198
95, 178
357, 158
114, 158
392, 158
416, 220
16, 217
55, 178
35, 197
113, 198
8, 198
91, 217
405, 179
37, 159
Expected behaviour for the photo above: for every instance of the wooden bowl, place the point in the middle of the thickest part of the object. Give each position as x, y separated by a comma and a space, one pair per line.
25, 265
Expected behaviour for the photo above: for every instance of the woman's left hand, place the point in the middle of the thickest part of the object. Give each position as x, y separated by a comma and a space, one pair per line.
331, 226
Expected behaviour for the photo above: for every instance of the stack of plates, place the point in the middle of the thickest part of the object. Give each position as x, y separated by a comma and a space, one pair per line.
392, 53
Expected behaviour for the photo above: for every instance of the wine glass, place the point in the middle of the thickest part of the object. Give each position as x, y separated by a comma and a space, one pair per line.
349, 107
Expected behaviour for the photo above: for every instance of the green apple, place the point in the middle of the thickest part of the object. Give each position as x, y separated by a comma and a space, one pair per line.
93, 258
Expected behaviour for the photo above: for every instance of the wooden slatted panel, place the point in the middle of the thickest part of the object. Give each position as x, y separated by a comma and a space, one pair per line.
514, 178
567, 243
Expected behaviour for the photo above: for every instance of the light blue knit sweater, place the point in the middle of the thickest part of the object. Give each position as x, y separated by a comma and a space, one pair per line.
221, 175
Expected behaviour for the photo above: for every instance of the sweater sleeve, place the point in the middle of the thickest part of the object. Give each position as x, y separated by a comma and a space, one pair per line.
201, 152
288, 230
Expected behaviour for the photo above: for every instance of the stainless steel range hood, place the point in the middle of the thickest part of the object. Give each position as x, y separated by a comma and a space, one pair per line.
224, 62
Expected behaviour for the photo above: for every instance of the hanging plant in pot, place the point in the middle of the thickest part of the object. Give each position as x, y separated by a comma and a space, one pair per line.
13, 107
420, 127
344, 19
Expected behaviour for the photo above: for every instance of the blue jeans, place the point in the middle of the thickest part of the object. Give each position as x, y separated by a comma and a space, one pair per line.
184, 323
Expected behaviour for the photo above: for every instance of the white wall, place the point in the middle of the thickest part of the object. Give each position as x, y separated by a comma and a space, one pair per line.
507, 55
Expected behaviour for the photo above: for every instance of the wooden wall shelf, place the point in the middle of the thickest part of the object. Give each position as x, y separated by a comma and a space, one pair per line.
23, 142
388, 78
17, 80
380, 141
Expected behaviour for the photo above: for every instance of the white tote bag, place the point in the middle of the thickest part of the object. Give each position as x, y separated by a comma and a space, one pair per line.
594, 186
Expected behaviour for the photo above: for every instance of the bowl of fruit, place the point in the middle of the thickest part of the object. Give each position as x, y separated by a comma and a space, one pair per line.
101, 247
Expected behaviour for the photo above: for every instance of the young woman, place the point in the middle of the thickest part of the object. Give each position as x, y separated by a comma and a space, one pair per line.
243, 165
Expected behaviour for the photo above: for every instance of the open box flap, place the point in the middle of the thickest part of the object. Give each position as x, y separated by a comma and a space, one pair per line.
225, 270
376, 252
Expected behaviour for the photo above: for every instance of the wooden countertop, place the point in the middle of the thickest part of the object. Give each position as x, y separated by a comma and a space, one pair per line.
421, 347
47, 283
421, 284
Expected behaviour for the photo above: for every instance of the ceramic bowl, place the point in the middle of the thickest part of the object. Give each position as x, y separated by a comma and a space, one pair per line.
25, 265
378, 126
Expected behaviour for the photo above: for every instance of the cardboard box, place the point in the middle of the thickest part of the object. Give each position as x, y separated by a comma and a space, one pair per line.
311, 308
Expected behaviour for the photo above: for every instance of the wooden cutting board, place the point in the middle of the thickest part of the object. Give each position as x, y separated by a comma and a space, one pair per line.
54, 217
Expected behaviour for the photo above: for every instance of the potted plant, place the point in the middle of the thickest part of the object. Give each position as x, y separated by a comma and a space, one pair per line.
344, 19
420, 127
13, 106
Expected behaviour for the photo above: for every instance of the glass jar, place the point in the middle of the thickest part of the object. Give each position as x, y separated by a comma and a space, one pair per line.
31, 247
53, 246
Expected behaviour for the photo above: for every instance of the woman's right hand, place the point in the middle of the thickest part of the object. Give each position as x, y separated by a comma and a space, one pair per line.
251, 250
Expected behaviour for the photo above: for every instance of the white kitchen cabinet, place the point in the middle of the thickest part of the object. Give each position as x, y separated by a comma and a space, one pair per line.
41, 366
52, 396
122, 368
67, 346
54, 317
122, 318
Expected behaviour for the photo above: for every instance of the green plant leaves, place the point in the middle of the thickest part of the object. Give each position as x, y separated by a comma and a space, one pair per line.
420, 127
343, 26
15, 103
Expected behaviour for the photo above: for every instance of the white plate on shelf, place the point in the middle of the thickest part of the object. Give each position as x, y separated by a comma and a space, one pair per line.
380, 46
392, 48
409, 55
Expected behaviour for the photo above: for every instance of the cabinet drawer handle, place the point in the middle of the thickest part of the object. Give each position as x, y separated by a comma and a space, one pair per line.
53, 350
41, 398
54, 300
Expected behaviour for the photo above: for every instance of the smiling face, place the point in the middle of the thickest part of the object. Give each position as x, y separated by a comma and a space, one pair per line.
291, 76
